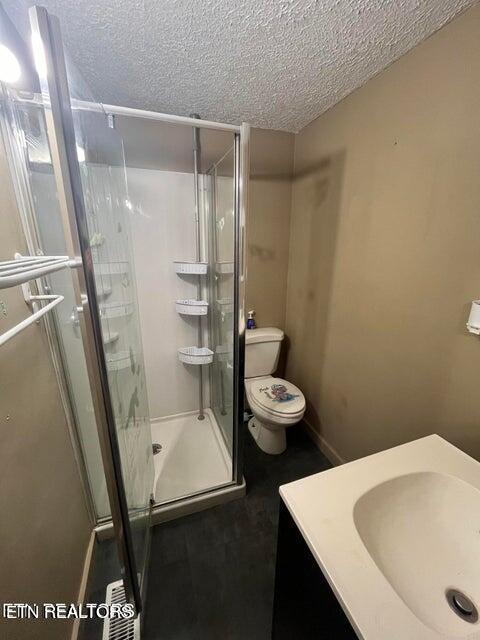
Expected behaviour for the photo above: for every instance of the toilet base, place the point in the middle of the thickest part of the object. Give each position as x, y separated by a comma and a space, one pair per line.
272, 441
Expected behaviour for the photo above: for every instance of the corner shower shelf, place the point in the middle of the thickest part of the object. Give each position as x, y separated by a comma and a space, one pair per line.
195, 355
224, 267
110, 337
118, 361
192, 307
110, 268
115, 309
103, 292
190, 267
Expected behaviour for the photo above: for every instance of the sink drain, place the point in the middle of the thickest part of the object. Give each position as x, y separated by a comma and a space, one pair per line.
462, 605
156, 448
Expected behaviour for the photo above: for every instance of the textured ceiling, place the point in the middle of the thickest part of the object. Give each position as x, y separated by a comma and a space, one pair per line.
274, 63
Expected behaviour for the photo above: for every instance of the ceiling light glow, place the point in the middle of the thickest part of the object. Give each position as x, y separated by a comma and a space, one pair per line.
10, 70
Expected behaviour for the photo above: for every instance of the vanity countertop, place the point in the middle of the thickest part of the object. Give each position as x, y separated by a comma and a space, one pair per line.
391, 533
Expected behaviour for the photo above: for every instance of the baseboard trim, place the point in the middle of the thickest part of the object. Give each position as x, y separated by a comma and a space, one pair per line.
82, 591
320, 442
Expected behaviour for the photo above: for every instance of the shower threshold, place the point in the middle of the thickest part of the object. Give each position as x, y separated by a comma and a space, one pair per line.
193, 458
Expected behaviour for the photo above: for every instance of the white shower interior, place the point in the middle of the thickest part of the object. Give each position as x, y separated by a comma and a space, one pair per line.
195, 454
141, 213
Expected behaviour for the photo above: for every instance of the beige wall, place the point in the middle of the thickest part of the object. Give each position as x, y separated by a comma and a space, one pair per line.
44, 527
385, 253
271, 167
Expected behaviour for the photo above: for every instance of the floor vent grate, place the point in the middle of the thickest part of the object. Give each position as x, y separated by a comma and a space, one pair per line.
117, 628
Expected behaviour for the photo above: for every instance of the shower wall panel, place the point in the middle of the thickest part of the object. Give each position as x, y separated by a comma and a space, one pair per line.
163, 230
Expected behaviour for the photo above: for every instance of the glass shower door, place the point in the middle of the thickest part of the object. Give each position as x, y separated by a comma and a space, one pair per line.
88, 161
220, 194
102, 171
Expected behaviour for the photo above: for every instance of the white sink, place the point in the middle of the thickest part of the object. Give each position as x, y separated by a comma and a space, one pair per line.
392, 533
422, 531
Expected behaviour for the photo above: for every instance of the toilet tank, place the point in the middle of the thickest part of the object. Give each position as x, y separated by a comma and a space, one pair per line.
262, 350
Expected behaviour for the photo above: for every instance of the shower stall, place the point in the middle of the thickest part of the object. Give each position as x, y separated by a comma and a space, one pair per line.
137, 221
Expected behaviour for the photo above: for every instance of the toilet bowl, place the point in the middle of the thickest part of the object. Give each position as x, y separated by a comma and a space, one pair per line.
275, 403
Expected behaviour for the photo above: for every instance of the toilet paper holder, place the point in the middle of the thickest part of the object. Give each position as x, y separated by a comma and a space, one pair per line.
473, 322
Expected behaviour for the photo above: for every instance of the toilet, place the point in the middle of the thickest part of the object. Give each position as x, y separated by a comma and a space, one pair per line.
275, 403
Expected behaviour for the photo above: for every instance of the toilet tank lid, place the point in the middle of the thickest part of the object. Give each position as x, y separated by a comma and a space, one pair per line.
264, 334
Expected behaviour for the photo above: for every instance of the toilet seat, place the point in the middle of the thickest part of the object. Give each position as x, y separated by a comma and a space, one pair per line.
276, 398
276, 404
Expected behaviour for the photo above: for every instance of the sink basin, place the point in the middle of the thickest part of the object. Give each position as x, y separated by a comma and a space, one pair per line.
423, 532
394, 534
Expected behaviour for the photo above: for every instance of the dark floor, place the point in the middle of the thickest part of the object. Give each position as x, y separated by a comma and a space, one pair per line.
212, 573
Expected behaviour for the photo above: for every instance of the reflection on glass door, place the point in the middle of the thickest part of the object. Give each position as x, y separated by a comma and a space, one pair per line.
88, 161
102, 169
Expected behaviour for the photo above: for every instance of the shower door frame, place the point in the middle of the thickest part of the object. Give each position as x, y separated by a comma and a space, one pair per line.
177, 507
242, 178
240, 197
241, 173
241, 146
48, 49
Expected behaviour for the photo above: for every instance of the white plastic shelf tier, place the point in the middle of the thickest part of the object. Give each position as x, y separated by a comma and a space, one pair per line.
115, 309
110, 337
190, 267
195, 355
118, 361
103, 292
192, 307
110, 268
224, 267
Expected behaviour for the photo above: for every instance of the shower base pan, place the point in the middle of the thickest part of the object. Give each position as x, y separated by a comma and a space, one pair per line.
193, 470
193, 459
